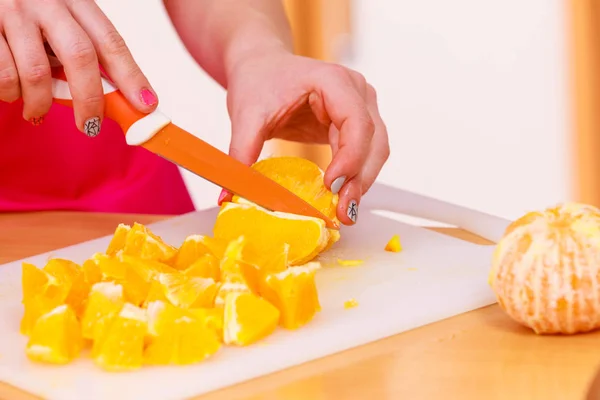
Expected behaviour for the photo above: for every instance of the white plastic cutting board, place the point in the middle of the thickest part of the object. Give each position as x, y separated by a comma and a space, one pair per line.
433, 278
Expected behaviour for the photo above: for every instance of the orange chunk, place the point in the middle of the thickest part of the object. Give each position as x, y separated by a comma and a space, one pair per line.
294, 293
196, 246
141, 242
104, 302
34, 308
248, 319
207, 266
264, 230
117, 243
180, 337
139, 275
56, 337
188, 291
351, 303
394, 244
121, 345
91, 269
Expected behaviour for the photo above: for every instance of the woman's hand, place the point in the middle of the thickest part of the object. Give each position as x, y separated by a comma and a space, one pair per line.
81, 37
281, 95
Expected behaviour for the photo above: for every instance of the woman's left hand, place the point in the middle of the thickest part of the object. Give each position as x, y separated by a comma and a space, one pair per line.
284, 96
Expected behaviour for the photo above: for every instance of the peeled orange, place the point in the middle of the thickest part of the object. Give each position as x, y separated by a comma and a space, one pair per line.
248, 318
546, 269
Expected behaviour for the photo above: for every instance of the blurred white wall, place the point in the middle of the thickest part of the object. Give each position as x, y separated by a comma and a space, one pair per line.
474, 94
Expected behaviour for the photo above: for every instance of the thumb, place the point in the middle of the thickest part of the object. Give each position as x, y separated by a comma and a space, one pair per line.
246, 145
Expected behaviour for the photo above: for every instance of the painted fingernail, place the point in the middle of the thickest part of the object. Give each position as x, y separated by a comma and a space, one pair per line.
352, 211
337, 184
36, 121
148, 97
224, 195
91, 127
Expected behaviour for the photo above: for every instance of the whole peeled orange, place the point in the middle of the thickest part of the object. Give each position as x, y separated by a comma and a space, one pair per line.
546, 269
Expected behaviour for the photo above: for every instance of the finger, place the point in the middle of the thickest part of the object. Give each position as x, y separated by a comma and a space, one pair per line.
76, 52
380, 148
114, 55
246, 143
350, 194
10, 89
348, 112
25, 42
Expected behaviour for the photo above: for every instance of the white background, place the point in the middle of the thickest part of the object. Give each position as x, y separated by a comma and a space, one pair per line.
475, 94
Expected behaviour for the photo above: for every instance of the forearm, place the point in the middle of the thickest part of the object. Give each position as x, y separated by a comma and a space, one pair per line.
220, 33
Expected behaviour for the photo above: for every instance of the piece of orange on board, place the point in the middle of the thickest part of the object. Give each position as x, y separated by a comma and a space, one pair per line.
248, 318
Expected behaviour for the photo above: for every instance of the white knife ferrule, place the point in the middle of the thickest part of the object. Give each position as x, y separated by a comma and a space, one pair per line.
145, 128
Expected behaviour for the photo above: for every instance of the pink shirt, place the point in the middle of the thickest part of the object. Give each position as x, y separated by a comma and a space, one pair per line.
53, 166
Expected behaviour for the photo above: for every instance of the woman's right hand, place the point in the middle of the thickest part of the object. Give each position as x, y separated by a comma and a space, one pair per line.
81, 37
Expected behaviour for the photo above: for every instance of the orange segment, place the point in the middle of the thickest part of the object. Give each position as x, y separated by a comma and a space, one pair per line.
196, 246
141, 242
394, 244
207, 266
301, 177
188, 291
294, 293
121, 345
104, 301
117, 243
56, 337
264, 230
248, 319
180, 337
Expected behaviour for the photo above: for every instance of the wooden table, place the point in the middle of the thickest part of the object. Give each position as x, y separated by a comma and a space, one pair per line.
477, 355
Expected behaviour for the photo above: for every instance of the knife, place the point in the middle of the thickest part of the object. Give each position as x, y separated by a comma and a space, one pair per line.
156, 133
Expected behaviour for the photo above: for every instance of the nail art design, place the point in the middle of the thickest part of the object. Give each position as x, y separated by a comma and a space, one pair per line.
92, 127
224, 194
337, 184
352, 210
37, 121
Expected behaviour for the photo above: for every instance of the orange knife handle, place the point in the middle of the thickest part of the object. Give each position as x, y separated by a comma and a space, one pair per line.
137, 126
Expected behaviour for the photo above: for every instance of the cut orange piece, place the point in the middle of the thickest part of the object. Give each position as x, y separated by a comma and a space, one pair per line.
188, 291
34, 308
207, 266
141, 242
156, 292
351, 303
179, 336
104, 302
109, 268
248, 319
138, 277
196, 246
301, 177
70, 277
349, 263
294, 293
91, 269
35, 281
121, 345
264, 230
394, 244
117, 243
212, 318
56, 337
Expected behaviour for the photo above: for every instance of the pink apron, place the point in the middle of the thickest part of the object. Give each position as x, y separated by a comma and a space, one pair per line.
53, 166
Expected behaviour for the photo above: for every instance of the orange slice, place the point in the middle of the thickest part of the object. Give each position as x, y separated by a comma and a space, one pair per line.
394, 244
248, 319
264, 230
294, 293
196, 246
141, 242
121, 345
56, 337
207, 266
104, 302
117, 243
188, 291
180, 337
301, 177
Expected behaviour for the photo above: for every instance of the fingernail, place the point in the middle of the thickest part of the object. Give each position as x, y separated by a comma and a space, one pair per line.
224, 194
92, 127
352, 211
36, 121
337, 184
148, 97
